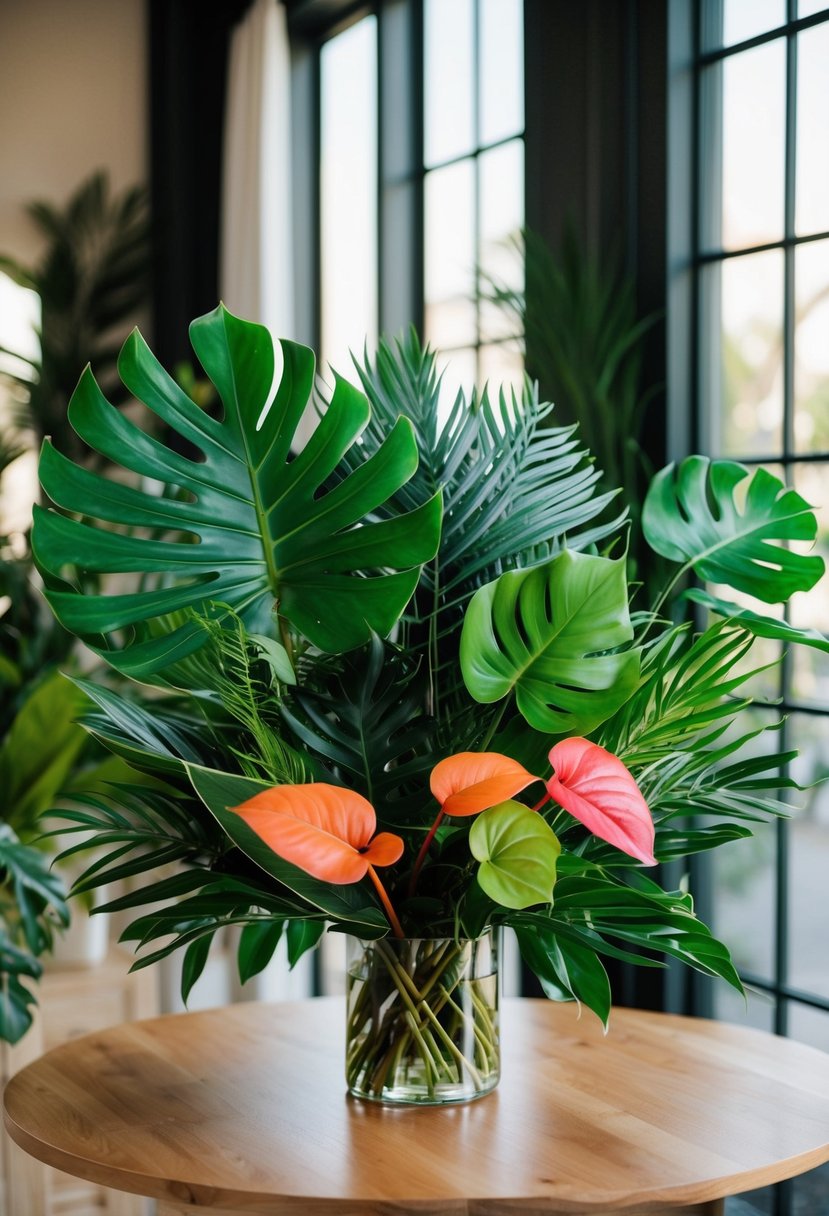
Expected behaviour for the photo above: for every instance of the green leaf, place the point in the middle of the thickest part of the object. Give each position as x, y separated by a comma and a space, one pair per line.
192, 966
16, 1003
760, 626
269, 528
546, 633
218, 791
691, 515
257, 944
567, 969
276, 656
370, 727
302, 935
156, 738
39, 751
518, 852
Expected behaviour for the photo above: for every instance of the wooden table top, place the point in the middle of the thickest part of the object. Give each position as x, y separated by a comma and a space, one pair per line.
244, 1109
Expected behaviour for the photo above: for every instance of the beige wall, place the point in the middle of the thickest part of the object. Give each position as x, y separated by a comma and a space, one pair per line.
73, 98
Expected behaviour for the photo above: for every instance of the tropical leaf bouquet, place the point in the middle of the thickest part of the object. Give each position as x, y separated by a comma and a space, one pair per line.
395, 684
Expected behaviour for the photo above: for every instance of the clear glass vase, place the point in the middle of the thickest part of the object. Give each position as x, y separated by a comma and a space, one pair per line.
422, 1019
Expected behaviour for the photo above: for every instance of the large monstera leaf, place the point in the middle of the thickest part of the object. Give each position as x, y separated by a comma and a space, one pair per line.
691, 515
552, 635
268, 532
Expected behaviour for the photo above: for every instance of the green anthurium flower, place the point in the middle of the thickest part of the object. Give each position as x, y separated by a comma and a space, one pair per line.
518, 851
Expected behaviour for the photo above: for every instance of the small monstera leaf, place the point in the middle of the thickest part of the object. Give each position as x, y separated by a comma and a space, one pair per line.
269, 529
518, 851
546, 633
691, 516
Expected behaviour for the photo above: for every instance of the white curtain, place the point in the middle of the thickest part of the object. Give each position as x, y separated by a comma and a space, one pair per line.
256, 271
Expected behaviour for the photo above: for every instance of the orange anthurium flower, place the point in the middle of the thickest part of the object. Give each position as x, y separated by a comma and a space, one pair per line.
470, 782
596, 788
325, 830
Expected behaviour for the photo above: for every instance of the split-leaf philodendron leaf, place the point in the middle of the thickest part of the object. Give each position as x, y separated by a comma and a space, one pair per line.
270, 530
546, 633
692, 515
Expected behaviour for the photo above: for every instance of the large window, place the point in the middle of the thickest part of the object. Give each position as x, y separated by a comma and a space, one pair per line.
417, 108
474, 181
761, 273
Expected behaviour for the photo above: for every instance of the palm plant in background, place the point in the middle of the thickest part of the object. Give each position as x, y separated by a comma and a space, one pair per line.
403, 627
92, 277
585, 346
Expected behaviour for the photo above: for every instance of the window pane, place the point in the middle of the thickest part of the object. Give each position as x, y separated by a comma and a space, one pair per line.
457, 370
744, 887
744, 18
743, 361
501, 216
811, 348
450, 255
743, 872
348, 192
729, 1006
810, 1026
19, 325
501, 366
806, 8
501, 75
810, 668
731, 21
754, 123
448, 79
809, 857
812, 207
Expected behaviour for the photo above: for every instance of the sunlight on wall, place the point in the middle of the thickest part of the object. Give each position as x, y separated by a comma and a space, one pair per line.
19, 318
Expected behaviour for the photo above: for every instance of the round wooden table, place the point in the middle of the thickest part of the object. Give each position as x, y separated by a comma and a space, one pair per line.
243, 1110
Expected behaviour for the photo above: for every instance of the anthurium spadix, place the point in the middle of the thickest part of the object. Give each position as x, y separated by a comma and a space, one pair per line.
325, 830
595, 787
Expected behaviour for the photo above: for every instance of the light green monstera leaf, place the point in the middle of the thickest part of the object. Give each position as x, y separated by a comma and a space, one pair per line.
242, 521
551, 634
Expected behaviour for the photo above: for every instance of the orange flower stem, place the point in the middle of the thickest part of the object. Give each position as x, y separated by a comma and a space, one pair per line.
541, 802
424, 849
386, 902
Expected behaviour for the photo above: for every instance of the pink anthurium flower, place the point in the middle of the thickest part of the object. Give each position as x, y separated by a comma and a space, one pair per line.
325, 830
595, 787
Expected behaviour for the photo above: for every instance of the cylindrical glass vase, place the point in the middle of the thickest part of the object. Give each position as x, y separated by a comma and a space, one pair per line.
422, 1019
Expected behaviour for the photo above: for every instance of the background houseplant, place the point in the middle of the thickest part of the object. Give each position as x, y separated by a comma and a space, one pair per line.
91, 277
483, 546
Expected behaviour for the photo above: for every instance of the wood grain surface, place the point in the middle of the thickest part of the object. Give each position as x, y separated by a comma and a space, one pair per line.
244, 1110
